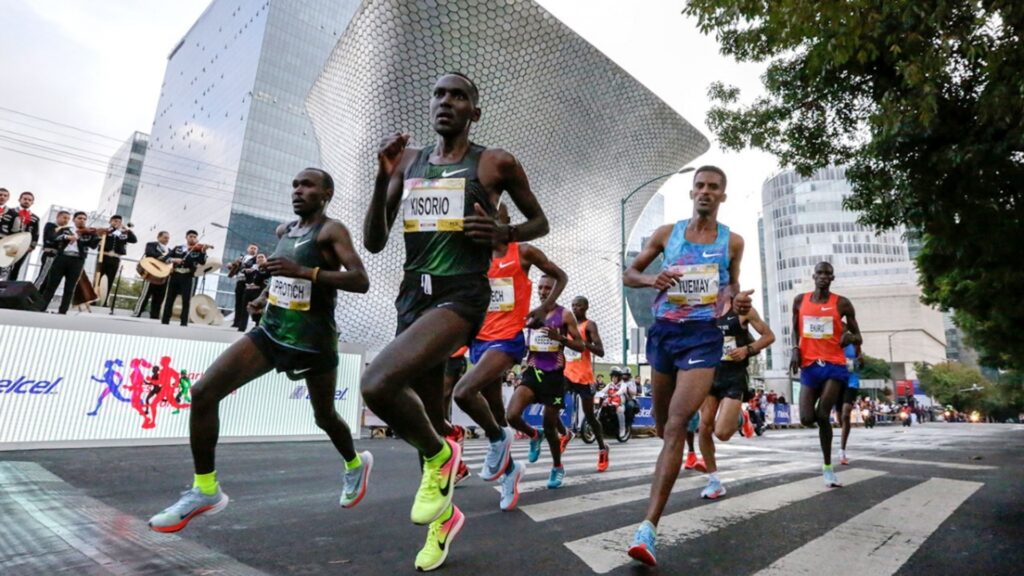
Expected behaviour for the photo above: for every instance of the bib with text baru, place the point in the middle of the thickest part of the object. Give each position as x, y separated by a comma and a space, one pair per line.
728, 346
503, 295
539, 342
434, 205
290, 293
698, 285
572, 355
817, 327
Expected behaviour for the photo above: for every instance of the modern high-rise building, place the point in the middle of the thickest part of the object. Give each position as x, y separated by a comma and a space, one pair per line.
258, 90
804, 223
122, 181
231, 128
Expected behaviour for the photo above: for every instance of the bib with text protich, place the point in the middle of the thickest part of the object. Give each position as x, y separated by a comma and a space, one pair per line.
539, 342
290, 293
818, 327
503, 295
698, 285
728, 346
434, 205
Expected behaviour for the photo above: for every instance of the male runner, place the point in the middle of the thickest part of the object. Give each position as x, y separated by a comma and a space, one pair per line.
722, 410
499, 346
544, 379
854, 362
579, 373
700, 274
297, 335
447, 193
818, 356
454, 368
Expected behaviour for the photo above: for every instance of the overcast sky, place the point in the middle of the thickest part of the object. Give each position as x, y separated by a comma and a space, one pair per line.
98, 66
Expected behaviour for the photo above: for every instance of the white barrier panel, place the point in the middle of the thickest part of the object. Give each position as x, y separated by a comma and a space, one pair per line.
74, 386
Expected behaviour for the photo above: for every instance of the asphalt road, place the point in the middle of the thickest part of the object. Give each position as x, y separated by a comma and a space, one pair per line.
932, 499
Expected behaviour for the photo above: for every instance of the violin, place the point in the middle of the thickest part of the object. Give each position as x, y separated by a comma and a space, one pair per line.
197, 247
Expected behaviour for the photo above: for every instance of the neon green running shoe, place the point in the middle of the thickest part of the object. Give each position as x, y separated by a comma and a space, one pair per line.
439, 539
436, 488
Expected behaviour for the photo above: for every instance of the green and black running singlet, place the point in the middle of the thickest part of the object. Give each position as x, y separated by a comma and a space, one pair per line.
435, 199
300, 314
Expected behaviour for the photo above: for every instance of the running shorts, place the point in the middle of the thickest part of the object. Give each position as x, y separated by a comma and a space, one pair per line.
514, 348
730, 382
297, 364
548, 387
675, 346
467, 295
815, 374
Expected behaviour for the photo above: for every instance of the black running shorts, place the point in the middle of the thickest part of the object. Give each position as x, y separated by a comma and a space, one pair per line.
730, 382
548, 387
297, 364
467, 295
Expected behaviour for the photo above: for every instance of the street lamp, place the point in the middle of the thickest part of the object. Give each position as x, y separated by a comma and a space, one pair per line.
622, 250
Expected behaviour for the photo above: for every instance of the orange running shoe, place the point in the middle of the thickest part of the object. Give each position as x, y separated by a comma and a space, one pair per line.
564, 440
602, 460
700, 466
691, 461
747, 428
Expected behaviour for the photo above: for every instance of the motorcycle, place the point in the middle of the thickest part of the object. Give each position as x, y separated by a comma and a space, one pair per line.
608, 416
869, 418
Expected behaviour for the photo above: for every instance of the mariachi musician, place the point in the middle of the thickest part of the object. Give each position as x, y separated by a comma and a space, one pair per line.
68, 263
56, 236
184, 259
154, 291
238, 268
20, 219
115, 242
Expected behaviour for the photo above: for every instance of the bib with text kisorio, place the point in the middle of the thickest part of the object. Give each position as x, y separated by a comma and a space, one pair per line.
434, 205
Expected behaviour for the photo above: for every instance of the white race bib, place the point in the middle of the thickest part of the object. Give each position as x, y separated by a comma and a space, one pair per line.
290, 293
818, 327
698, 285
728, 346
503, 295
434, 205
572, 355
539, 342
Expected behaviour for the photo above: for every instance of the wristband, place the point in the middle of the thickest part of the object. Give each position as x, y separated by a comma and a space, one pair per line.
316, 272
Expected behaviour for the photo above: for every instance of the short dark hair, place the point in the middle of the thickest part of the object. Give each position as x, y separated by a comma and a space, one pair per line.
5, 190
27, 192
163, 232
116, 217
80, 212
59, 212
328, 183
191, 232
715, 169
474, 92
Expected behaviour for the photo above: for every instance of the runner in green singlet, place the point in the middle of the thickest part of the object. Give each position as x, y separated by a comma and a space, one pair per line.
314, 259
447, 193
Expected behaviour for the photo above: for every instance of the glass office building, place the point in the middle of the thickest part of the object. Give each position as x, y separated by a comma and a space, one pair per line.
231, 128
121, 184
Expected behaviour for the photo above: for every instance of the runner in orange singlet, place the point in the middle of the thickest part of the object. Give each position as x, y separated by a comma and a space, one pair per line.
579, 372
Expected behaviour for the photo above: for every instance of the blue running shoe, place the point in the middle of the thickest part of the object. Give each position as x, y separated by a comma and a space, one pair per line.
356, 481
534, 454
831, 481
643, 544
496, 461
555, 479
510, 486
714, 490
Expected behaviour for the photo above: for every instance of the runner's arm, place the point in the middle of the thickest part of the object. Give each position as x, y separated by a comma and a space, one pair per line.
594, 342
352, 276
794, 356
573, 330
762, 328
852, 334
634, 276
533, 256
513, 180
741, 300
393, 157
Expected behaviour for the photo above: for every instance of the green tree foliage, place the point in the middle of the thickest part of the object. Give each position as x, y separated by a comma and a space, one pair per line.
875, 369
923, 101
950, 382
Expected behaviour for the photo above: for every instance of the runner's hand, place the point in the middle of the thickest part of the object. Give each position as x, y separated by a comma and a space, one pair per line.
794, 362
553, 333
742, 303
257, 305
287, 268
738, 354
536, 317
483, 228
390, 153
666, 279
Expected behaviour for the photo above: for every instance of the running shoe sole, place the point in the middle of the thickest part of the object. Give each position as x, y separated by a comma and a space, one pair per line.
641, 553
211, 510
515, 490
447, 546
714, 495
367, 466
504, 465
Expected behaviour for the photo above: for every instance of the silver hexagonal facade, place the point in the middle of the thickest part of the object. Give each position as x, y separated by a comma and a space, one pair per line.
586, 132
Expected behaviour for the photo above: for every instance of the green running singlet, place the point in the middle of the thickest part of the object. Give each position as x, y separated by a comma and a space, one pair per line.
300, 314
435, 199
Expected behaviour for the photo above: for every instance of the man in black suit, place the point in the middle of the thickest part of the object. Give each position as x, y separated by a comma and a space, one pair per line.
67, 266
239, 268
185, 259
20, 219
154, 293
114, 247
56, 236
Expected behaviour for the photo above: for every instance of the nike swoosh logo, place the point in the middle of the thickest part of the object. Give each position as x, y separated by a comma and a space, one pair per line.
447, 487
447, 174
826, 308
303, 371
505, 264
306, 241
712, 255
691, 361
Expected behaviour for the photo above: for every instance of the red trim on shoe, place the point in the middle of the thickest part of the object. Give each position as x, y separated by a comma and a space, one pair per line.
641, 553
184, 522
366, 480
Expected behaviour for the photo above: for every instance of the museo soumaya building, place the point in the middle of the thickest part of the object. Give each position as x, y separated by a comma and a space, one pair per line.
258, 90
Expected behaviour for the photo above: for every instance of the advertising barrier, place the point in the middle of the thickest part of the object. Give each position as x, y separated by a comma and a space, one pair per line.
67, 386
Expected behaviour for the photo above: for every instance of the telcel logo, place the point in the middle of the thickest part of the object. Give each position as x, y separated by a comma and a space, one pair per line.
25, 385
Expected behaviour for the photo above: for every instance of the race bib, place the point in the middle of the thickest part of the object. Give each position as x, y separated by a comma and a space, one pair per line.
572, 355
728, 346
698, 285
851, 365
818, 327
539, 342
503, 295
290, 293
434, 205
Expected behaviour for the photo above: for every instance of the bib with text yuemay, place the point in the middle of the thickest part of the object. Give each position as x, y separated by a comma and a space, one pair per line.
698, 285
290, 293
539, 342
434, 205
818, 327
503, 295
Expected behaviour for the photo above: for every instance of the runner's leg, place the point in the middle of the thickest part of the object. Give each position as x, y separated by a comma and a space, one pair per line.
485, 375
321, 395
727, 421
708, 416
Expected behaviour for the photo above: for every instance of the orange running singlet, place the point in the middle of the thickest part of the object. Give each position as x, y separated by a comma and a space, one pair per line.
510, 297
820, 331
578, 366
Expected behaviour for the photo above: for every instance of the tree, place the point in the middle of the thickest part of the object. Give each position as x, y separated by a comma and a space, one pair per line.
952, 383
923, 102
875, 369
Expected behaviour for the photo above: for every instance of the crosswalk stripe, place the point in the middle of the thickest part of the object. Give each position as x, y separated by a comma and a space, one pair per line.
884, 537
952, 465
606, 551
589, 502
